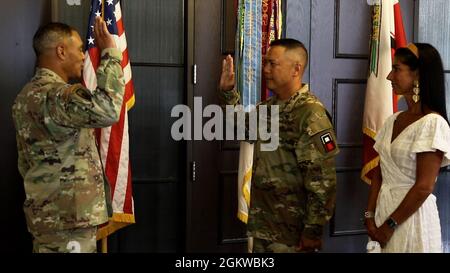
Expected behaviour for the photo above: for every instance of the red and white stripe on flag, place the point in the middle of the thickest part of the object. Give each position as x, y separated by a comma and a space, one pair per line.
113, 141
387, 35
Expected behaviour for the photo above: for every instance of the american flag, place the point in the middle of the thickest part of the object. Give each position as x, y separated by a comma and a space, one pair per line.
113, 141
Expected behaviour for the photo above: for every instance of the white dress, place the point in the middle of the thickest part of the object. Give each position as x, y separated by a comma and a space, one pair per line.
421, 232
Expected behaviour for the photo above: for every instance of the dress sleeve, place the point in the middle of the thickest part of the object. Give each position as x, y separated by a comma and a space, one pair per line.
432, 135
378, 138
380, 134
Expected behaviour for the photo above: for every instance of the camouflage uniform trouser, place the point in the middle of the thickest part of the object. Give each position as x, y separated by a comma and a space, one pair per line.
264, 246
80, 240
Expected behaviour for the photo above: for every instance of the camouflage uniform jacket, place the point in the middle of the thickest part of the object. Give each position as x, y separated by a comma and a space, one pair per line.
57, 154
293, 187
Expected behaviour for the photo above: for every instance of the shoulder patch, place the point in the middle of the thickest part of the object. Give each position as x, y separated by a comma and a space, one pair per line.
325, 143
328, 142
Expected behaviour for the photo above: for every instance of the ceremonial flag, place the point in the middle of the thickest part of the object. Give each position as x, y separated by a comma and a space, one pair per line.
380, 102
113, 141
271, 30
259, 23
244, 179
248, 82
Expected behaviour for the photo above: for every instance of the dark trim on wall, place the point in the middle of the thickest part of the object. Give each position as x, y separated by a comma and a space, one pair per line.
186, 188
348, 169
332, 227
156, 64
334, 99
227, 27
223, 173
284, 13
337, 54
225, 145
350, 145
415, 24
340, 233
153, 181
233, 241
310, 50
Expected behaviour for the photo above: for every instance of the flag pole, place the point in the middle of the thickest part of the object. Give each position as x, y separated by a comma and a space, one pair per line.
103, 9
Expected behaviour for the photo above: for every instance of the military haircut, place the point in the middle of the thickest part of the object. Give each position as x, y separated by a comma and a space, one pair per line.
292, 45
47, 36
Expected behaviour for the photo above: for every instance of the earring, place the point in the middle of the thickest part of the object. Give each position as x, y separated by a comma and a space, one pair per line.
416, 91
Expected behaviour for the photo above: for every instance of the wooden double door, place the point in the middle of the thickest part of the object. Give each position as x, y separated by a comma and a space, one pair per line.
336, 33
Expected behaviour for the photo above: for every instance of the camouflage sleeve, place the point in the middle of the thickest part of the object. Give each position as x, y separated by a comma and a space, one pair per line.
76, 106
231, 97
22, 163
315, 152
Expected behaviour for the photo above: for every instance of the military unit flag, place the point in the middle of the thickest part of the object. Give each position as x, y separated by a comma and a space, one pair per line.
258, 23
387, 35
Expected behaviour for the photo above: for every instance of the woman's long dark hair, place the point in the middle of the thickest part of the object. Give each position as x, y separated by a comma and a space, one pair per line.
431, 76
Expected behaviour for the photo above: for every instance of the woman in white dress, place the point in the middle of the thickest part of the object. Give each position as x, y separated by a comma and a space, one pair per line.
413, 145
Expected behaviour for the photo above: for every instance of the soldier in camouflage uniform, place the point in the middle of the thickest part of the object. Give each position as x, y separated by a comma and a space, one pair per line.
57, 154
293, 187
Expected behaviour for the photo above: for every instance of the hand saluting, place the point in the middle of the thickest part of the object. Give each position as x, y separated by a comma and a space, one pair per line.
227, 79
103, 38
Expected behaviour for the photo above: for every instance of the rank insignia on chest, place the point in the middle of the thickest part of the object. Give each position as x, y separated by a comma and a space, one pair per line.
328, 142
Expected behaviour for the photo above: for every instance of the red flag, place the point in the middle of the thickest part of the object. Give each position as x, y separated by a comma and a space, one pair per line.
271, 30
113, 141
387, 35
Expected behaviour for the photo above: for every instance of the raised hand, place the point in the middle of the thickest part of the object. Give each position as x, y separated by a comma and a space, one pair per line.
227, 79
103, 38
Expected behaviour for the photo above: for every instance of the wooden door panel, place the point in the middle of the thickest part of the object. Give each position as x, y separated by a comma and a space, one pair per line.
212, 223
338, 71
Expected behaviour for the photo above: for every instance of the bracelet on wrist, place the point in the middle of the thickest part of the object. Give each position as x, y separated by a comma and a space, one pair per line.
369, 214
392, 223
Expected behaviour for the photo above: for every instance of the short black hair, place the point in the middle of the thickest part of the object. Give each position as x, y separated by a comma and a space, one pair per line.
431, 75
291, 44
49, 34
